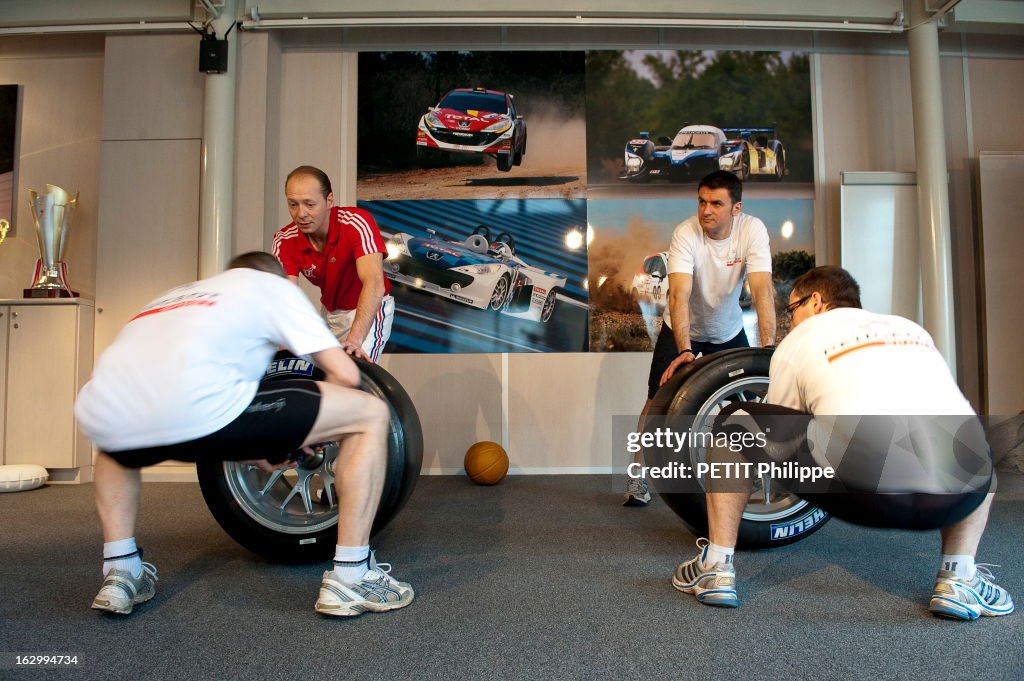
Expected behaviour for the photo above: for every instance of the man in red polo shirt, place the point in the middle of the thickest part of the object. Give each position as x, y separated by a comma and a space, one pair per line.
339, 250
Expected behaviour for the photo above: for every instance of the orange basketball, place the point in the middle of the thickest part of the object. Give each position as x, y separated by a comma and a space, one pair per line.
486, 463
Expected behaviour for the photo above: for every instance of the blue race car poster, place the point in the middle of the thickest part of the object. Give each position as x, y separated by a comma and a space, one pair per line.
658, 121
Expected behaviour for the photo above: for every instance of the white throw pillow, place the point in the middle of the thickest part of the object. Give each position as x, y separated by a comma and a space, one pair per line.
22, 476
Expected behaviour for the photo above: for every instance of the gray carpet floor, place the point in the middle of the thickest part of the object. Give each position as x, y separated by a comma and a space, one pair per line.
540, 577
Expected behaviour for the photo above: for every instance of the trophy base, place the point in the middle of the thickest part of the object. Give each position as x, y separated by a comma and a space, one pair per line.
48, 293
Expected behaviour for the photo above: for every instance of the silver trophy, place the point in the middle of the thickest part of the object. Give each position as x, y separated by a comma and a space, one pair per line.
51, 214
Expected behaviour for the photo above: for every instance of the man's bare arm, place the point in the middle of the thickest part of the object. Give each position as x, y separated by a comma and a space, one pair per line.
679, 288
338, 366
763, 292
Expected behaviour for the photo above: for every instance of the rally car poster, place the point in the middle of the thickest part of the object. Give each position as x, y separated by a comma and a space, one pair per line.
471, 125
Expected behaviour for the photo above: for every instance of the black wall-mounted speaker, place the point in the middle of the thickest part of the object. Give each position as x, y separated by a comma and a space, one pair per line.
213, 55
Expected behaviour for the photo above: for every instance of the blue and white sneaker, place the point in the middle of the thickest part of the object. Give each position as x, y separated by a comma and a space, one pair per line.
968, 600
121, 592
713, 585
377, 591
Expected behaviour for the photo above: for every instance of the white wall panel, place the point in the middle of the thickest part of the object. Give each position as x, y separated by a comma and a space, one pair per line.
997, 100
19, 12
149, 241
879, 241
1002, 204
256, 147
458, 398
152, 88
561, 407
311, 106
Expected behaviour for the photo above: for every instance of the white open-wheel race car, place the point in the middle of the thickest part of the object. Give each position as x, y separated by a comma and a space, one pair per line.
477, 271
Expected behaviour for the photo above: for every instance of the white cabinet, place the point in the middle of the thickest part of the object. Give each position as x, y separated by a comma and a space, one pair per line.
47, 352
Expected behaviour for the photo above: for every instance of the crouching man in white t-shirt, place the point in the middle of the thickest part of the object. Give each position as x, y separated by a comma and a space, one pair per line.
869, 397
182, 381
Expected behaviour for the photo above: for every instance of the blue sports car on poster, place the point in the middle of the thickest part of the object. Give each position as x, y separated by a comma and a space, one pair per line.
690, 155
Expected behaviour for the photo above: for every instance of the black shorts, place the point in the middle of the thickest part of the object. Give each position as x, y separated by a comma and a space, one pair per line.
665, 351
275, 423
849, 496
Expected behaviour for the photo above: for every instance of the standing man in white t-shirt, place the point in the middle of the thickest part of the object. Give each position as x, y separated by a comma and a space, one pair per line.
183, 381
846, 375
710, 254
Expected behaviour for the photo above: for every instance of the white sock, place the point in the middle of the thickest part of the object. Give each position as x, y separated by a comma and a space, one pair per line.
122, 554
962, 565
351, 562
714, 554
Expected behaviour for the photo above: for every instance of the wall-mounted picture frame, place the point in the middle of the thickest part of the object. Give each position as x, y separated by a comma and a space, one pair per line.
486, 275
628, 264
9, 106
471, 125
660, 120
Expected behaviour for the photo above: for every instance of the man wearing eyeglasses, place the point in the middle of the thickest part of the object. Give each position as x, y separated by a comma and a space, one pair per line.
709, 256
871, 398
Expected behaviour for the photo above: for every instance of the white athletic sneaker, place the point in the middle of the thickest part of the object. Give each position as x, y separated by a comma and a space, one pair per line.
712, 585
121, 592
968, 600
377, 591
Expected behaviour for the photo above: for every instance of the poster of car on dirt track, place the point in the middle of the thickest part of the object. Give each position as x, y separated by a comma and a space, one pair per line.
628, 263
471, 125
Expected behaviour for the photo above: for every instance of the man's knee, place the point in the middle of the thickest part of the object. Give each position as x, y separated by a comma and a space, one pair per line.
350, 404
378, 411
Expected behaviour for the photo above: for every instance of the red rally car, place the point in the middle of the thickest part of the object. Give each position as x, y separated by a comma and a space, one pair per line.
474, 120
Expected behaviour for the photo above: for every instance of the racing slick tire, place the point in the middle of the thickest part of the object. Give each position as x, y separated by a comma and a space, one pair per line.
701, 389
505, 162
744, 170
500, 294
292, 516
780, 163
548, 309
